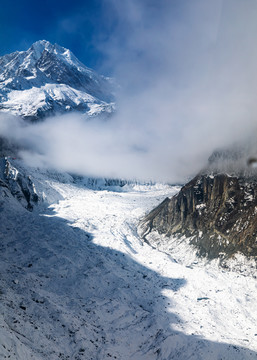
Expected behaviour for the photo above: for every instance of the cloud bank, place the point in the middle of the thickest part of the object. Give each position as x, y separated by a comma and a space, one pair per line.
188, 76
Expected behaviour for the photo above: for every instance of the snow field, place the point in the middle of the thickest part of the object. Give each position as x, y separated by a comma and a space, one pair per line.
77, 282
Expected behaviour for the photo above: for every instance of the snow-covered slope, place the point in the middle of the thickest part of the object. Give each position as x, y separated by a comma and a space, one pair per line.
78, 283
47, 79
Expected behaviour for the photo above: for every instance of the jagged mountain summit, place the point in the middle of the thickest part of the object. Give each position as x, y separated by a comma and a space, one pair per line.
48, 79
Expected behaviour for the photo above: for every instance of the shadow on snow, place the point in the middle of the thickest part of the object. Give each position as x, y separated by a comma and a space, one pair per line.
73, 299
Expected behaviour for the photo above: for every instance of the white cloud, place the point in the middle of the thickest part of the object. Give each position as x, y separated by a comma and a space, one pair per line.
188, 73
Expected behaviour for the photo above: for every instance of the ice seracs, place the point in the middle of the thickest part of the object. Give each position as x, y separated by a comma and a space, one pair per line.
78, 283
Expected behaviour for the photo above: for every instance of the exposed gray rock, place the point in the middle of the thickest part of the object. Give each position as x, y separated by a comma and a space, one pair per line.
217, 212
19, 185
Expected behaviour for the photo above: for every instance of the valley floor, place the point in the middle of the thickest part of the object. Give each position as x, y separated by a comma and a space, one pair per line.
77, 282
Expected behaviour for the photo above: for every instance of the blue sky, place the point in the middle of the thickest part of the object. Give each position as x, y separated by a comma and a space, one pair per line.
77, 25
86, 27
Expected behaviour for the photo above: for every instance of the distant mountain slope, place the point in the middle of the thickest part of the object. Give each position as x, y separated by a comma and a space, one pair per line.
48, 79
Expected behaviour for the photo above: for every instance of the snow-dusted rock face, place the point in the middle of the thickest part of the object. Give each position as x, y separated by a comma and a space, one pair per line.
48, 79
14, 183
218, 213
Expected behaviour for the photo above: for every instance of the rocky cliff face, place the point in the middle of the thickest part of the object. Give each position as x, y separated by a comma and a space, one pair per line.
20, 186
217, 212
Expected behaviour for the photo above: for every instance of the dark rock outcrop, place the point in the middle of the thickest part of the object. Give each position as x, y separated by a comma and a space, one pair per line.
217, 212
18, 185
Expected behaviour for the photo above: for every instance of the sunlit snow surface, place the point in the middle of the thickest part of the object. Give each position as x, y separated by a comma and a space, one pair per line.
77, 282
49, 79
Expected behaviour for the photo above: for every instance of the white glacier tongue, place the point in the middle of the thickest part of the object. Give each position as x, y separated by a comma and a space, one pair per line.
44, 65
77, 282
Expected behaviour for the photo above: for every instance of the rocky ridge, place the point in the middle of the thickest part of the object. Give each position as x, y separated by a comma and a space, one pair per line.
15, 184
216, 212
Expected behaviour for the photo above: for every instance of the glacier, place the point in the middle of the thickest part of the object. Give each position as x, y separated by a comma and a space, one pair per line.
78, 282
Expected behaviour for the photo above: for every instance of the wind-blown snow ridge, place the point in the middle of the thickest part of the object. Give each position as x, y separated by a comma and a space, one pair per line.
47, 79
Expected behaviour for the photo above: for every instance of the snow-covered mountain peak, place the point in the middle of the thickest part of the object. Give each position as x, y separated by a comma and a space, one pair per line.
40, 45
45, 64
42, 48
